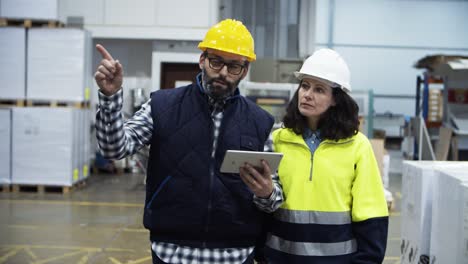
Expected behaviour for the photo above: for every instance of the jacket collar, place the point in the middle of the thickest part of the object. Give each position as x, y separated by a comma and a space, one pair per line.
288, 135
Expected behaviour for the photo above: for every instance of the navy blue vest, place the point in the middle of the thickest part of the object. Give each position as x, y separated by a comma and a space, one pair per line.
185, 203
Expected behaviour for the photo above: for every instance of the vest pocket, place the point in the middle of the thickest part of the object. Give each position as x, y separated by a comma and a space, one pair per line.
249, 143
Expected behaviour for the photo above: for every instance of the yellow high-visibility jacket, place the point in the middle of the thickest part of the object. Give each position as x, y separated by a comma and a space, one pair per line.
334, 209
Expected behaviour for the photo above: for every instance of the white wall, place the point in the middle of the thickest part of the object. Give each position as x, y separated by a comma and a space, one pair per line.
382, 39
144, 19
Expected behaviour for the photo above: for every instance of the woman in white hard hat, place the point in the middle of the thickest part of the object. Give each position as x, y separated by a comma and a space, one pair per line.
334, 209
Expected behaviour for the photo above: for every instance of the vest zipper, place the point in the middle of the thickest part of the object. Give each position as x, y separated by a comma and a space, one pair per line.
311, 159
311, 165
209, 206
312, 155
210, 185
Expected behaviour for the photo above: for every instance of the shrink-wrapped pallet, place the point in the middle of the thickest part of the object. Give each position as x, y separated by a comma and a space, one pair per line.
12, 63
44, 146
58, 64
5, 146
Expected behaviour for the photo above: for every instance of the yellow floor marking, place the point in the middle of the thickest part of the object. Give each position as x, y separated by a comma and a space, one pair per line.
66, 255
83, 260
119, 250
89, 249
140, 260
394, 239
138, 230
114, 261
24, 226
75, 203
13, 250
8, 255
392, 258
395, 213
30, 253
36, 227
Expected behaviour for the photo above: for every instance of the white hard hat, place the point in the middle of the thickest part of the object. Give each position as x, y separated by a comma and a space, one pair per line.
326, 65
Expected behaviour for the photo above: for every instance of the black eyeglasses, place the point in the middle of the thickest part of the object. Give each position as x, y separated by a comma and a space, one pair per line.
217, 64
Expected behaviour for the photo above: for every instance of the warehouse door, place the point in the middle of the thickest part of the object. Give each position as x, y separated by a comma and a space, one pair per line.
178, 74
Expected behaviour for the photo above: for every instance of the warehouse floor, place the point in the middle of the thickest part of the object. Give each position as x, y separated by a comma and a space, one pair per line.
100, 223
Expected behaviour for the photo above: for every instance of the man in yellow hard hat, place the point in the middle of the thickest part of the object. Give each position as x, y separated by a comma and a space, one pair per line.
195, 213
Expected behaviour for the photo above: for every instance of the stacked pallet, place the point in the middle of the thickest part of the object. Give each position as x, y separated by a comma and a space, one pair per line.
56, 68
29, 13
50, 145
45, 70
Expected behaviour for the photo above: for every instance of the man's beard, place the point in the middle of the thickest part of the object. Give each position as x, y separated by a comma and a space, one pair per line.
215, 91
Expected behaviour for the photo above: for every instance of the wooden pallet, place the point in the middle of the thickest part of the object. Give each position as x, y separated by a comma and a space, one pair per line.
29, 23
41, 189
55, 103
5, 188
11, 103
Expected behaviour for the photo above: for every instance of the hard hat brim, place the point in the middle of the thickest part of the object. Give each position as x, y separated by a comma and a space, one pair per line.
300, 76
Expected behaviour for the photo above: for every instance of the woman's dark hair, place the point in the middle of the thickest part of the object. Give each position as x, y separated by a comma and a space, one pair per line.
338, 122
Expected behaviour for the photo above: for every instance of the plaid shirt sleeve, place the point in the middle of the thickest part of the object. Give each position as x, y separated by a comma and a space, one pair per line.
276, 198
116, 138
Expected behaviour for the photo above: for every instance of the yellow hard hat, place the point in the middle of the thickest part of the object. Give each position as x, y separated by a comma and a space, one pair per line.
230, 36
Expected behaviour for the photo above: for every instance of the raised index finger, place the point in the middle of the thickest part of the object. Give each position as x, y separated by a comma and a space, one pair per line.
104, 53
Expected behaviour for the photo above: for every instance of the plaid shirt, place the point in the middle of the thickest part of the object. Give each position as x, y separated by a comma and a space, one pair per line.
118, 139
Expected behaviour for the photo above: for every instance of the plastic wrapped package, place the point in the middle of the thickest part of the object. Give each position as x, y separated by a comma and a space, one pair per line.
417, 206
44, 144
448, 241
12, 63
58, 64
29, 9
5, 146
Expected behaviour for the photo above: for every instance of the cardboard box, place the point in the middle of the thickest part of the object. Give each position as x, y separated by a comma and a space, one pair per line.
383, 159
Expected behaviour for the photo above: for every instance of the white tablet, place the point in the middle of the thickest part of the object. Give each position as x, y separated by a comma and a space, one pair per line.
233, 159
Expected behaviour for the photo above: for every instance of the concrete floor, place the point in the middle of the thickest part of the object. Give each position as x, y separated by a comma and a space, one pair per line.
100, 223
